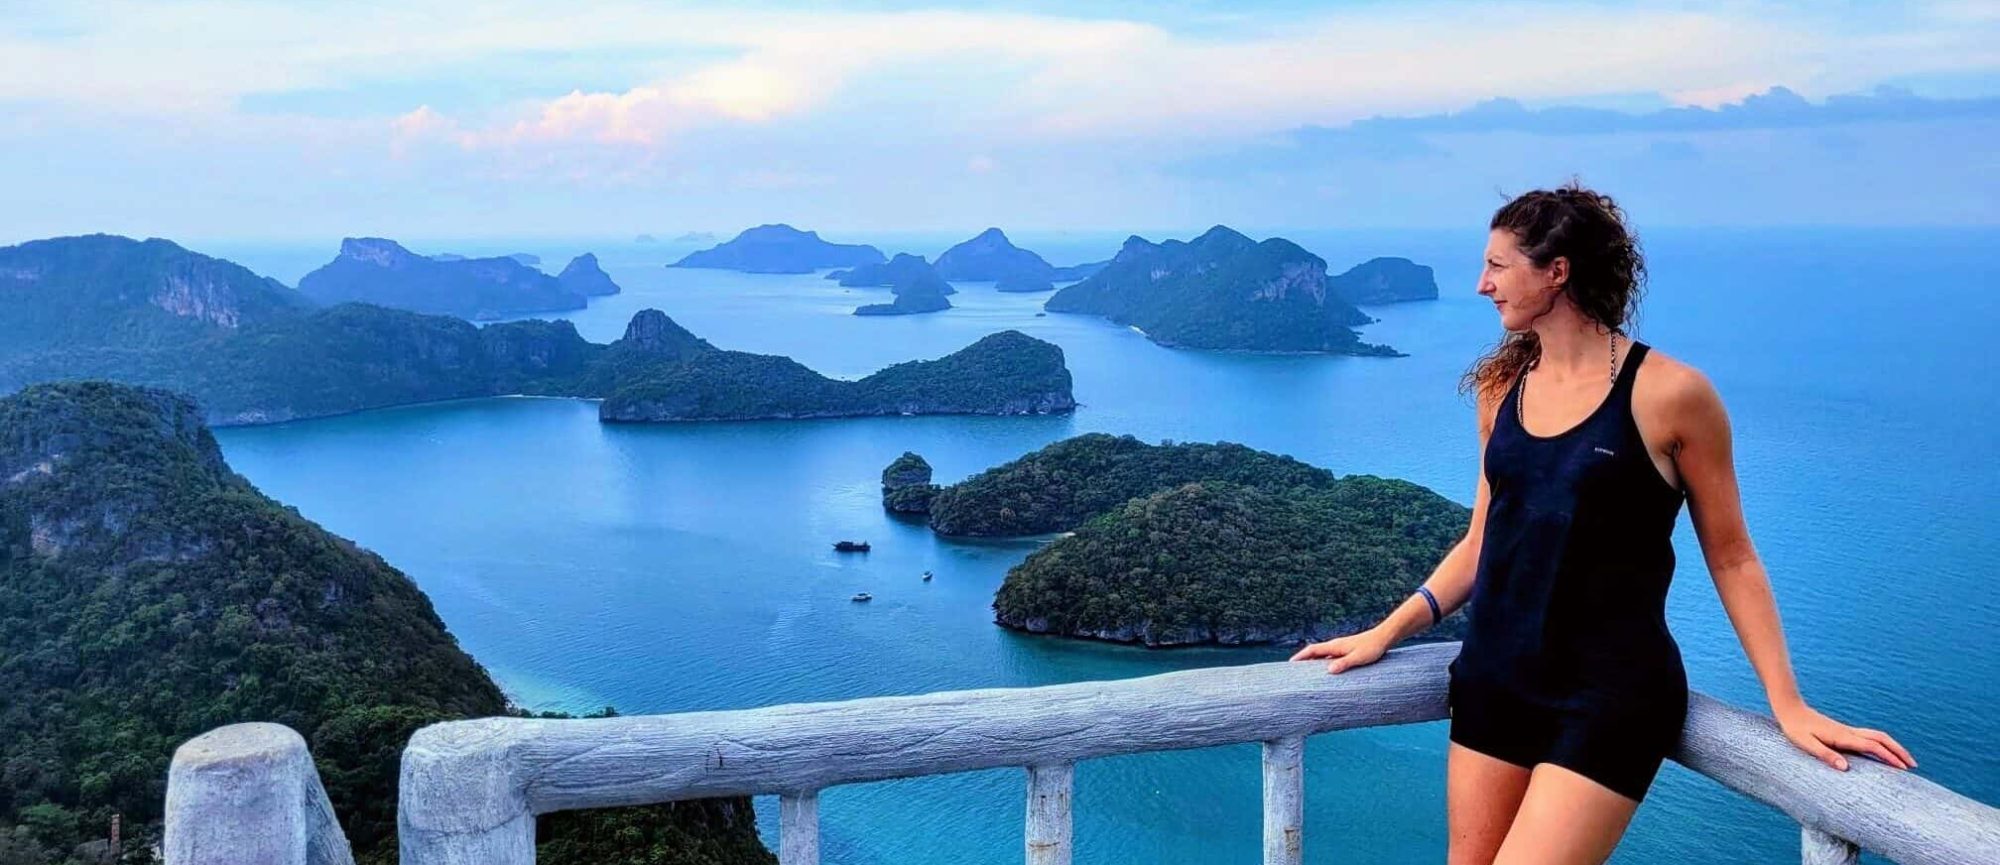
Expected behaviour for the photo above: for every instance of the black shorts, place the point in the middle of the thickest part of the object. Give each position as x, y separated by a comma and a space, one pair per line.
1616, 741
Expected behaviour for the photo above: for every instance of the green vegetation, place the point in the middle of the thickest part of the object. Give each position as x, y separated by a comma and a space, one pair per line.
117, 293
148, 594
1222, 290
906, 485
1003, 373
1060, 486
1216, 562
1179, 544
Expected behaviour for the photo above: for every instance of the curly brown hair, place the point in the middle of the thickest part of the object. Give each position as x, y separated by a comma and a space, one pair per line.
1607, 272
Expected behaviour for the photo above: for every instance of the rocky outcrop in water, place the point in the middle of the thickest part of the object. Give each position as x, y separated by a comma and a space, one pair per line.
906, 485
585, 277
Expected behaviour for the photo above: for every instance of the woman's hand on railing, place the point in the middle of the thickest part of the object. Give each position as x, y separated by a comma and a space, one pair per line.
1819, 735
1347, 652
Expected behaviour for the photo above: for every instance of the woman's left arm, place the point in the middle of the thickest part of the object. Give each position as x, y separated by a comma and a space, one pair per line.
1703, 456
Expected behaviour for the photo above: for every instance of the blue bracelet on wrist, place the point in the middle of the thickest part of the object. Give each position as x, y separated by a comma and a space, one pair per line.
1436, 616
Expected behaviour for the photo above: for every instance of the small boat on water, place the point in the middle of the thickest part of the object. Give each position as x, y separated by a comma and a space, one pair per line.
850, 546
927, 576
863, 596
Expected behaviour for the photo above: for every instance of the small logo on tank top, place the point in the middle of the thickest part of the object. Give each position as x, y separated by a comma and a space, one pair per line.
1605, 451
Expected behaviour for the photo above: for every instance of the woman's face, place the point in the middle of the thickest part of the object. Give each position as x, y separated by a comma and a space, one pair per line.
1520, 291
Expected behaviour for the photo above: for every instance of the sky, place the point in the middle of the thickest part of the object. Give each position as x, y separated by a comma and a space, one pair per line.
418, 118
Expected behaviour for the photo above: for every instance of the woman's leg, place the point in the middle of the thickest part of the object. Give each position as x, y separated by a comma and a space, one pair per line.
1481, 796
1565, 819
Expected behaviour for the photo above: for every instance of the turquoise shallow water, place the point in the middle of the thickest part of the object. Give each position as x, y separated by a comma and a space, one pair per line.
670, 568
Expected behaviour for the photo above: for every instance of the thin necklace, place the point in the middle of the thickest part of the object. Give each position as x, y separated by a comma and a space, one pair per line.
1520, 414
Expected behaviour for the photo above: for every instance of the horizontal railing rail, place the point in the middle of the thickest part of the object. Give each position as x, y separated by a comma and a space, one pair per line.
470, 790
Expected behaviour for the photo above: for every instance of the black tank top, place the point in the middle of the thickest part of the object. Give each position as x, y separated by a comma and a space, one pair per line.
1569, 604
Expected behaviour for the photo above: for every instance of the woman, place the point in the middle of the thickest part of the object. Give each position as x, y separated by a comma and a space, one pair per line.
1568, 691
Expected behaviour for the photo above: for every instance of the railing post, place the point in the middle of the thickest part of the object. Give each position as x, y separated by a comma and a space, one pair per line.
248, 794
1820, 848
460, 800
1049, 788
1284, 801
798, 828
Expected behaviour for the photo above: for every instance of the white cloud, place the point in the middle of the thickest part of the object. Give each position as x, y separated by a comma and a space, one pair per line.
1052, 76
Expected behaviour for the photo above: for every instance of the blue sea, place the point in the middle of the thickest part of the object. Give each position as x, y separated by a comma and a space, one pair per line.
688, 567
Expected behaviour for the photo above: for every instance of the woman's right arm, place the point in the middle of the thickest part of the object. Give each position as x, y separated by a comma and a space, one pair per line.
1450, 582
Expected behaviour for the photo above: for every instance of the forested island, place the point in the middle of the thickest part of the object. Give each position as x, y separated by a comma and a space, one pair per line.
382, 272
990, 257
1222, 290
1385, 280
1189, 544
148, 594
915, 284
251, 350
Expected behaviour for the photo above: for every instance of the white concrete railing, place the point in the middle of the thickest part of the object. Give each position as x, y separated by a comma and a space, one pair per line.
471, 789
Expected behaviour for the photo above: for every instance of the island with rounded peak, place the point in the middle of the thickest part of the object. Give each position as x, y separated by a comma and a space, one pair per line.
780, 248
906, 485
1387, 279
252, 351
1223, 291
1192, 543
990, 257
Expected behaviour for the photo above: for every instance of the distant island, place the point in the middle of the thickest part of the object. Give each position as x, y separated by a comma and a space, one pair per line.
1024, 283
1194, 543
781, 248
696, 237
584, 276
904, 270
381, 272
253, 351
916, 285
1222, 290
1079, 271
170, 597
1385, 280
645, 238
990, 257
524, 258
1005, 373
